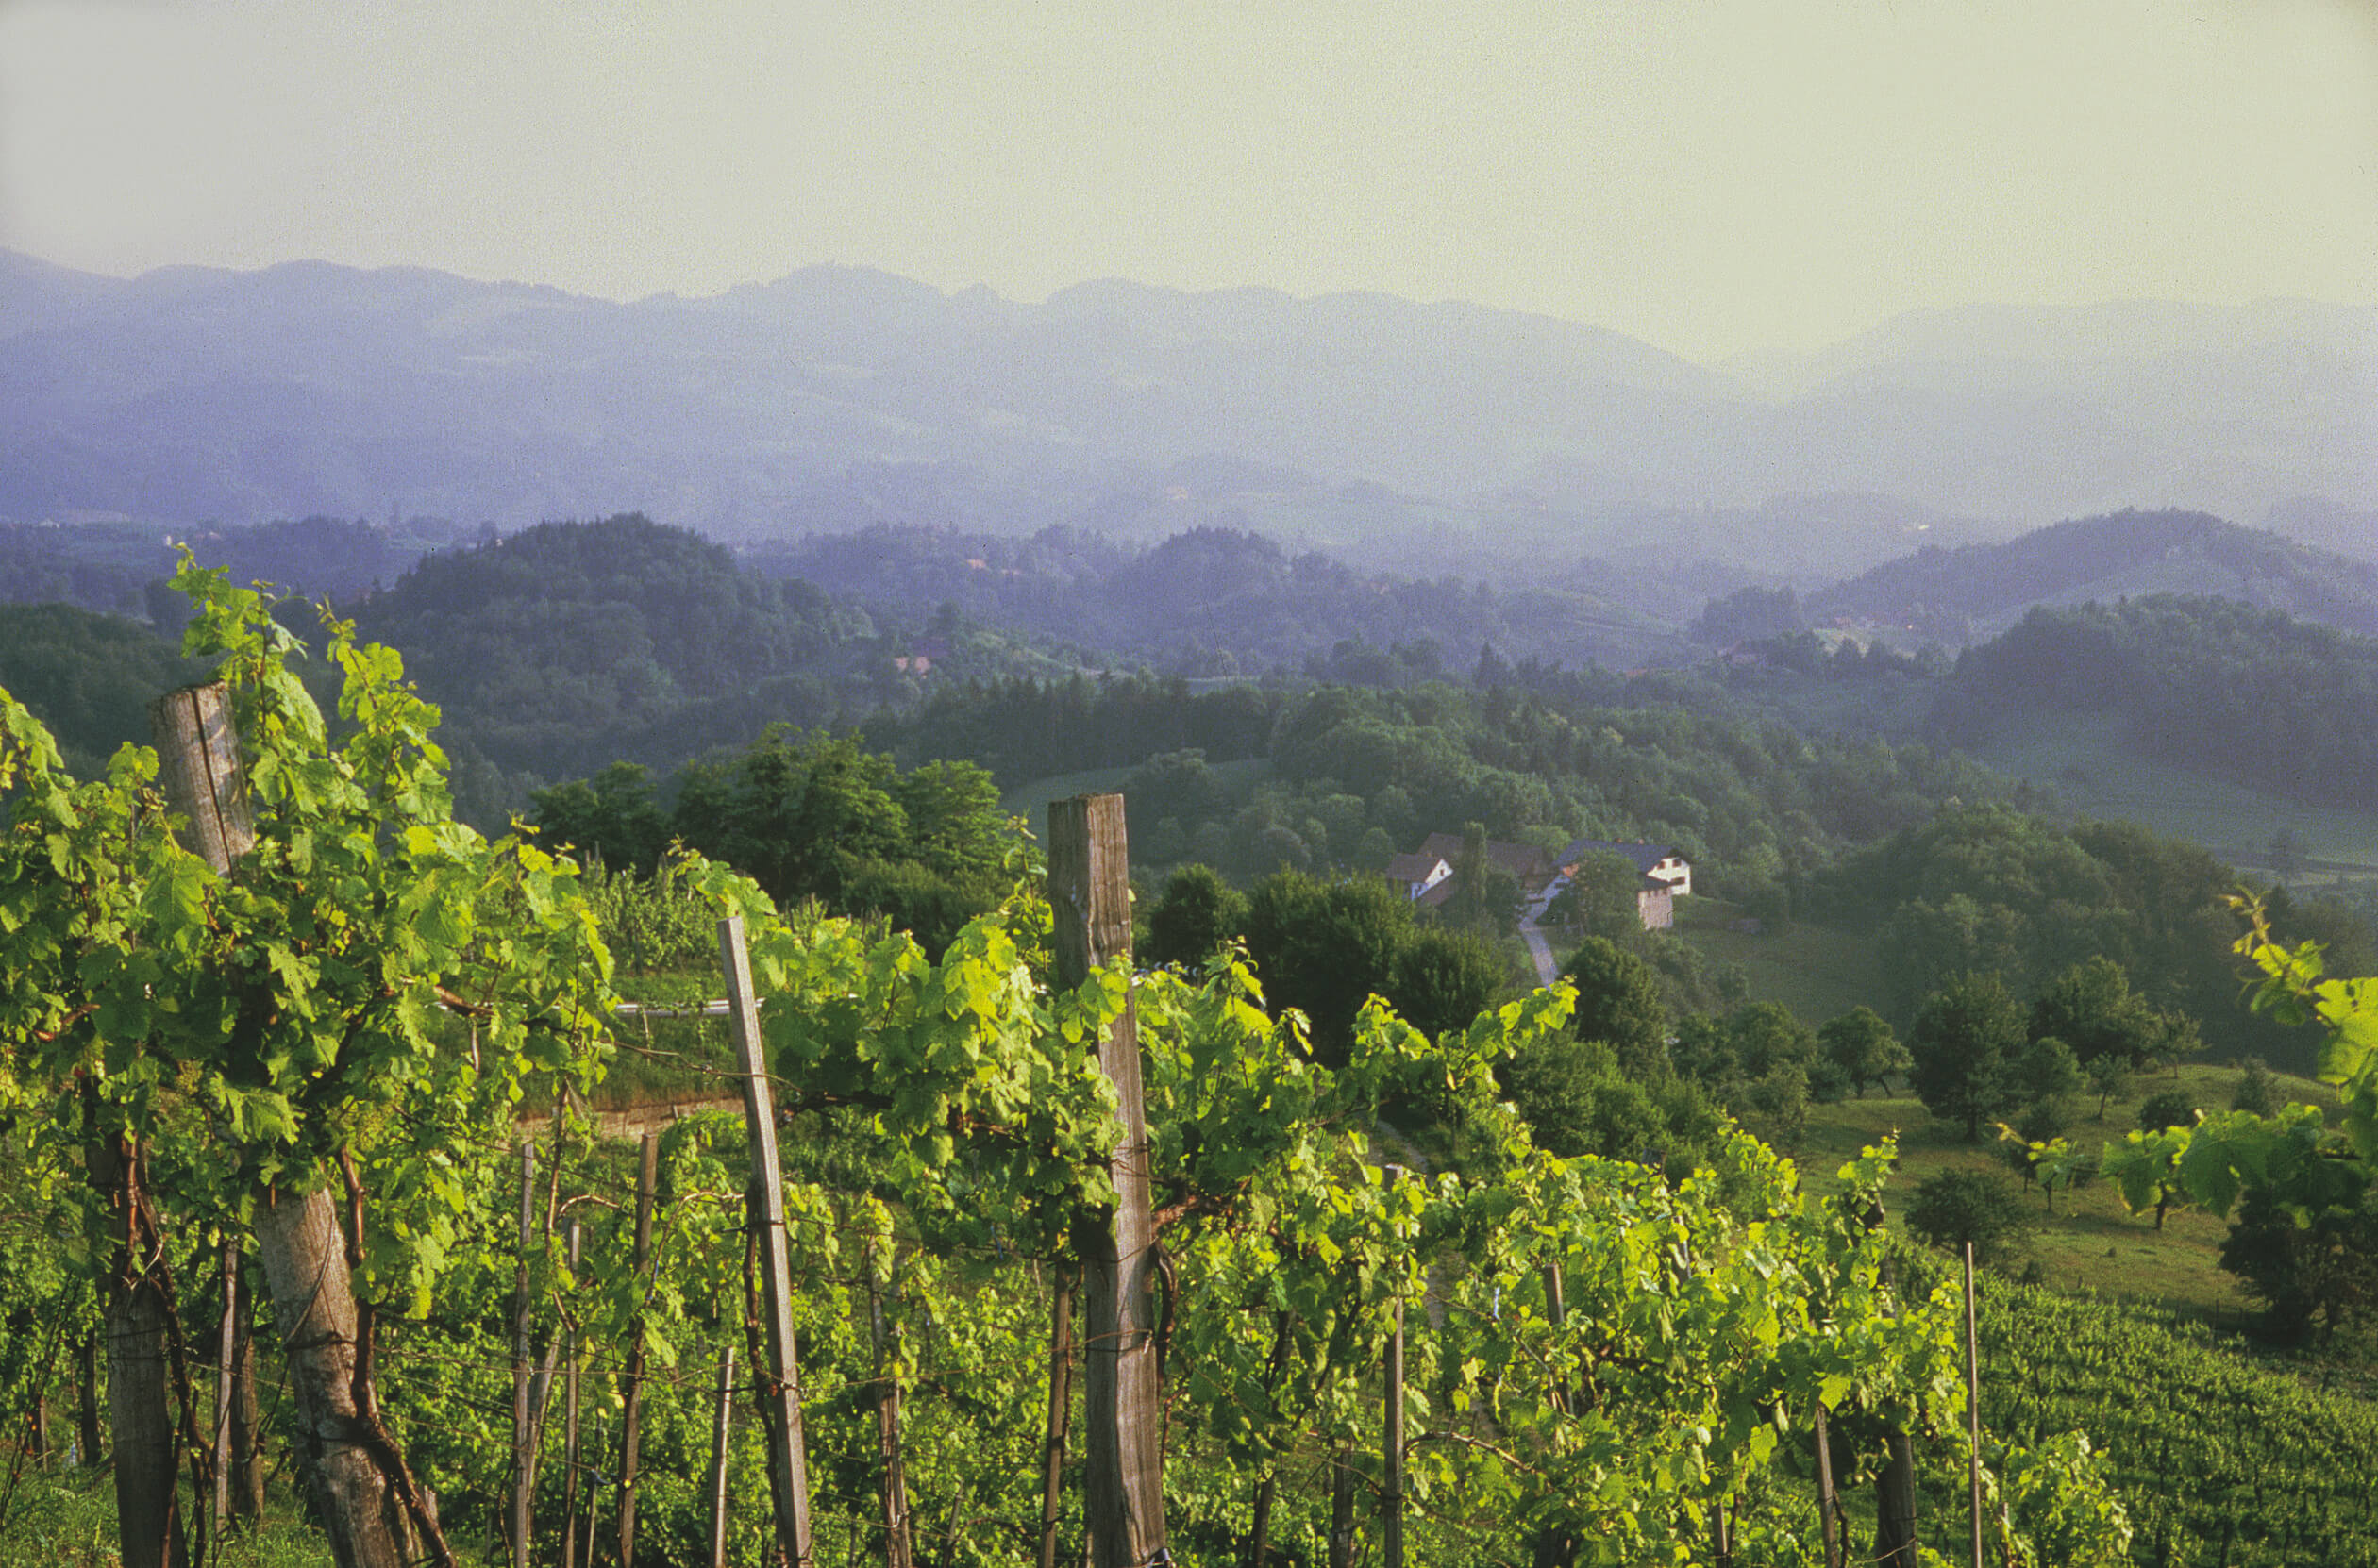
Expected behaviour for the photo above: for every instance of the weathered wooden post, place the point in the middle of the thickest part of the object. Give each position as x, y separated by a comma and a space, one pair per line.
1060, 1413
227, 1381
781, 1381
1392, 1452
631, 1393
524, 1429
571, 1554
247, 1462
897, 1553
1827, 1500
1895, 1484
372, 1519
724, 1408
89, 1444
148, 1505
1342, 1509
1090, 895
1973, 1403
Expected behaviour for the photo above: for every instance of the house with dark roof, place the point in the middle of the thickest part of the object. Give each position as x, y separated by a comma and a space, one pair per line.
1420, 874
1659, 862
1530, 867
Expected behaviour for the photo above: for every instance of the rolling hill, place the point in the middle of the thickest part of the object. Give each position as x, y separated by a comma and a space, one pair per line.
1973, 593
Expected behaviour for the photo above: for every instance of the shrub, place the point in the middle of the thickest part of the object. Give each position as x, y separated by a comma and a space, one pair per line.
2257, 1090
1957, 1206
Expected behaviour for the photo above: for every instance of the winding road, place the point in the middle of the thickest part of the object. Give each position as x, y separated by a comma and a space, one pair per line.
1539, 949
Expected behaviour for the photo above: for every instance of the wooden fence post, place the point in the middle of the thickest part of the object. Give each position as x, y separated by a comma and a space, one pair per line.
724, 1408
524, 1458
371, 1512
781, 1382
647, 1176
1090, 895
1973, 1403
1060, 1413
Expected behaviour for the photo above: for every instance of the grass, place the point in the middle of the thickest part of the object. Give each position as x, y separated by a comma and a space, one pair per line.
2096, 773
1031, 801
2090, 1242
1820, 972
65, 1517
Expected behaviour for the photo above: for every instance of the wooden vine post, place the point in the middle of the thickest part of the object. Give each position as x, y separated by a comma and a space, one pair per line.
572, 1554
1828, 1499
897, 1552
298, 1239
1090, 896
226, 1383
1392, 1445
1391, 1450
631, 1391
148, 1505
524, 1429
1060, 1413
781, 1381
722, 1409
1895, 1484
1973, 1404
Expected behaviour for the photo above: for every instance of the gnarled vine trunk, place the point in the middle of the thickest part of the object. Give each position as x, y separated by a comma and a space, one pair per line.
304, 1255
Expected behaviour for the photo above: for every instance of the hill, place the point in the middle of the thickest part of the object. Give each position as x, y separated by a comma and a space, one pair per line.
2251, 695
1973, 593
1212, 601
88, 677
1359, 423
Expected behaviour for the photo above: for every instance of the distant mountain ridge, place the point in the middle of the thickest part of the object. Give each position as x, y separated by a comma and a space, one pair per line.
193, 394
1973, 593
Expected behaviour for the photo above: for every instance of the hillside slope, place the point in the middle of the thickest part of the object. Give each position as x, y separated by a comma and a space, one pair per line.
1975, 592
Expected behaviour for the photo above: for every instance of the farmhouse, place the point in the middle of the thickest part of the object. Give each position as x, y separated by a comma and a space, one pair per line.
1530, 866
1420, 874
1655, 904
1662, 863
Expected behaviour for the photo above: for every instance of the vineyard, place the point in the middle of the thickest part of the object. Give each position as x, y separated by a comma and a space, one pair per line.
1011, 1254
2218, 1461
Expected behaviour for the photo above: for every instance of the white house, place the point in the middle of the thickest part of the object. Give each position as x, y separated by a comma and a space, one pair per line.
1418, 873
1662, 863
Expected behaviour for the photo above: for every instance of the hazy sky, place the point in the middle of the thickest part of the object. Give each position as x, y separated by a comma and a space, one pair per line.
1709, 174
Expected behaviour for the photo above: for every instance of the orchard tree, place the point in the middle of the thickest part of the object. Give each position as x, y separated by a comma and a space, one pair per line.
1957, 1206
1197, 914
1620, 1003
1965, 1044
1599, 899
1862, 1048
2091, 1008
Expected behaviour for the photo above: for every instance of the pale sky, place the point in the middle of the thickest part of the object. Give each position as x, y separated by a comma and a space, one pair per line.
1711, 176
